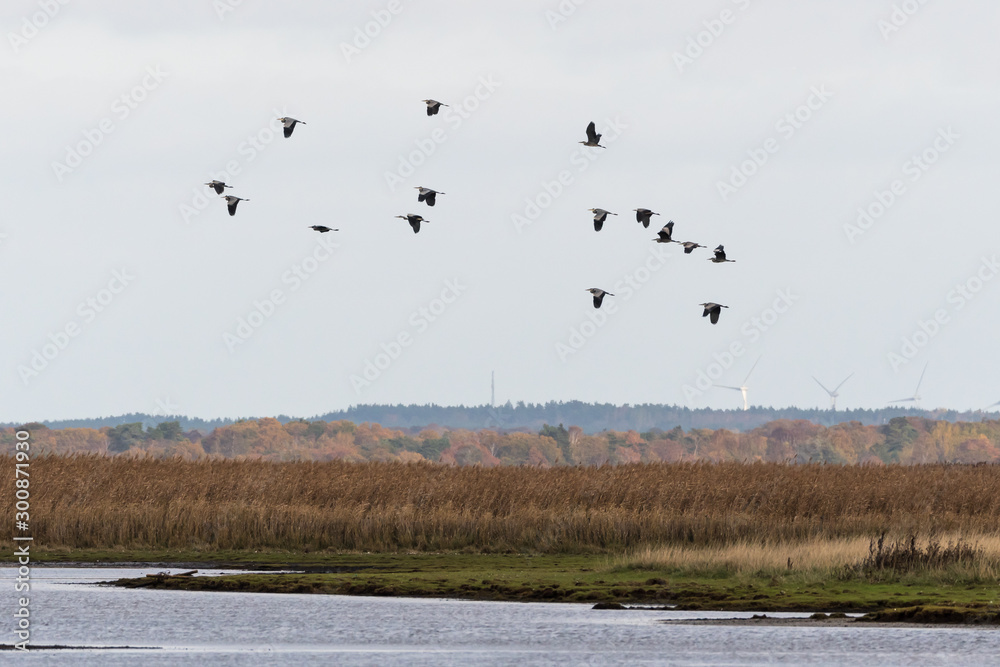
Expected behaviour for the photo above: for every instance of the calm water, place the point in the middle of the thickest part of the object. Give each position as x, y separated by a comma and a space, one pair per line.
68, 608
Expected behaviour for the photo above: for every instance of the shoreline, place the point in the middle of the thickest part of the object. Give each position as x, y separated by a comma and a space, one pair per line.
591, 579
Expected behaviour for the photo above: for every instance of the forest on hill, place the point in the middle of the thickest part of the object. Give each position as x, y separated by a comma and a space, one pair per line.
590, 417
904, 440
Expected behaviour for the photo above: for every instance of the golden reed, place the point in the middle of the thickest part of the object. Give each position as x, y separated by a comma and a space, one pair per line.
92, 501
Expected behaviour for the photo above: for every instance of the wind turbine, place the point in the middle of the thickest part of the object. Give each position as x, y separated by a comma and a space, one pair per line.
743, 388
833, 394
916, 392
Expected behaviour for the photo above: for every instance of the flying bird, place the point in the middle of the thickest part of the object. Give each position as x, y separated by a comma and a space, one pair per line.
232, 202
433, 106
600, 215
720, 256
414, 221
663, 236
643, 215
322, 229
289, 124
713, 309
427, 195
592, 137
219, 186
689, 246
599, 295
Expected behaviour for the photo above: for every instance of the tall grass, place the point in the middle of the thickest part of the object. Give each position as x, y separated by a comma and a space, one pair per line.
92, 501
975, 556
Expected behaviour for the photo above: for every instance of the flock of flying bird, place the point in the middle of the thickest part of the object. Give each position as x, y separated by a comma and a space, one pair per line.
665, 235
429, 196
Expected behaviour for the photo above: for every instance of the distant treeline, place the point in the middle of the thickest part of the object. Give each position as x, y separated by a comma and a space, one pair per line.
591, 417
906, 440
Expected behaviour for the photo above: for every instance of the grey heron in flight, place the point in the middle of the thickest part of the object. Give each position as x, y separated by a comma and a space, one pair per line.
593, 138
720, 256
663, 236
712, 311
599, 295
218, 186
689, 246
834, 392
600, 215
643, 215
427, 195
232, 202
322, 229
289, 124
414, 221
433, 106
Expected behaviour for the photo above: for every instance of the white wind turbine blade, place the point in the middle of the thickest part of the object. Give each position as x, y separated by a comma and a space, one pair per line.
845, 380
824, 388
751, 371
916, 393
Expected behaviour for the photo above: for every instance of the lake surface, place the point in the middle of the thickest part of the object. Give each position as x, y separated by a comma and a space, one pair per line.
195, 628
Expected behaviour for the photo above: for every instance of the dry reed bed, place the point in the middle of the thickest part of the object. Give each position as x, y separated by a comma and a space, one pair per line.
814, 553
97, 502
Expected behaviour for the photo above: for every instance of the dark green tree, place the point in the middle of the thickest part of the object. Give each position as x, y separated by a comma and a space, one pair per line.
561, 436
166, 431
123, 437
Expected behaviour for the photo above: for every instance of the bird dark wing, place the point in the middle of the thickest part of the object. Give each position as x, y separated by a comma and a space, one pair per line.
688, 249
720, 255
598, 224
416, 225
715, 314
592, 135
219, 188
421, 196
232, 207
288, 130
431, 198
598, 300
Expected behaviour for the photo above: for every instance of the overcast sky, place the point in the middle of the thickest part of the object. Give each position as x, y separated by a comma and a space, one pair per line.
769, 127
